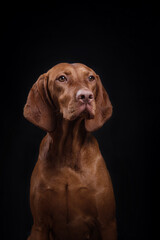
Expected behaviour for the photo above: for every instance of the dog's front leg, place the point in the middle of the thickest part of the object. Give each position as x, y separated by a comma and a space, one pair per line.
106, 213
109, 231
39, 233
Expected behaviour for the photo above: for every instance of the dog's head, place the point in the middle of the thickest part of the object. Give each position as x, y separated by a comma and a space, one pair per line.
71, 91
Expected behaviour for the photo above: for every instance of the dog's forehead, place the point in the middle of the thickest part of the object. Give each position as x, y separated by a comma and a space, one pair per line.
68, 68
81, 67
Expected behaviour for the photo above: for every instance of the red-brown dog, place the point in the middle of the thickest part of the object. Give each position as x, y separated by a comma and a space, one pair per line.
71, 193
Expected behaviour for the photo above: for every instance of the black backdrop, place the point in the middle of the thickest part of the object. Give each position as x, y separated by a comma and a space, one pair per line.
116, 42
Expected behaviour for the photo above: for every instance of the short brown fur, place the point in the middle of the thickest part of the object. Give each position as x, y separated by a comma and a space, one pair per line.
71, 194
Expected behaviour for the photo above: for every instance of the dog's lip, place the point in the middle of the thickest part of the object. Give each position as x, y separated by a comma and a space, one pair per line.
85, 106
86, 109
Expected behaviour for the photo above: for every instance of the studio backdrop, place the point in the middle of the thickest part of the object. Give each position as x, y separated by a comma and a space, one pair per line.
115, 42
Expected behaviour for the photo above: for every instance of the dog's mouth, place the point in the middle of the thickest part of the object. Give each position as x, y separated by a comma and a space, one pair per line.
84, 110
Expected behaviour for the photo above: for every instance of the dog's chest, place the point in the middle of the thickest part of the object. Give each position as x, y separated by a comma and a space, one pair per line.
69, 199
68, 189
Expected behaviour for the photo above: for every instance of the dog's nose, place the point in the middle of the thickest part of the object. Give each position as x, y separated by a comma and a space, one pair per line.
84, 96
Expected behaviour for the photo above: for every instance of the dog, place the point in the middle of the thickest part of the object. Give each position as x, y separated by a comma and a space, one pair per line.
71, 194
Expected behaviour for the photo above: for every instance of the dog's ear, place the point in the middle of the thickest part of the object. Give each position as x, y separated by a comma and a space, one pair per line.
103, 109
39, 108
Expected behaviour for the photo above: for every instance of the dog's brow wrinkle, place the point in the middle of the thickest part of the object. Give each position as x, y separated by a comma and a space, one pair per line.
67, 72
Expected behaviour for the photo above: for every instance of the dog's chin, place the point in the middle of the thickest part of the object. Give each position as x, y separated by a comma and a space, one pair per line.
85, 111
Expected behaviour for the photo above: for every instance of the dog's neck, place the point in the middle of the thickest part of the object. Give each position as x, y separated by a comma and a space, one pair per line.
67, 142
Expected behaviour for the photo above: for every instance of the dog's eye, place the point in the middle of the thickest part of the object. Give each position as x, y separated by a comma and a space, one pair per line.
62, 78
91, 78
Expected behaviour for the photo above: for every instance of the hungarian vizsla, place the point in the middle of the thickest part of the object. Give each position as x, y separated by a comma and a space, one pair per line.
71, 194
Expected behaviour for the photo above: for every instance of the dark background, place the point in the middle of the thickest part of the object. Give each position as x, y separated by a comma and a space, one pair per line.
115, 41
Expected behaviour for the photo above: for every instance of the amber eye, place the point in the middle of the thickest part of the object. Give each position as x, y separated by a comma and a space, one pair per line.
62, 78
91, 78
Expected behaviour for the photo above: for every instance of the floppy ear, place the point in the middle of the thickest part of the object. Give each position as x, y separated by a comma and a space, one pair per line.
103, 109
39, 108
